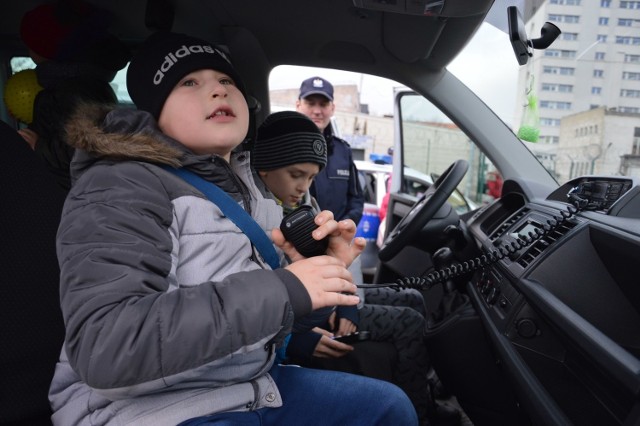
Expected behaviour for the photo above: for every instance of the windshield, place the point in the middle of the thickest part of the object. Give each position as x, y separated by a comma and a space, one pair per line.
576, 104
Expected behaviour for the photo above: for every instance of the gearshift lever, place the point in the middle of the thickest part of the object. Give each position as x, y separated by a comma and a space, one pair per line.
443, 258
451, 299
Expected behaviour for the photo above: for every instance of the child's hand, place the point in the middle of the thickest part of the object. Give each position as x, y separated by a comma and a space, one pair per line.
345, 327
325, 279
342, 245
329, 348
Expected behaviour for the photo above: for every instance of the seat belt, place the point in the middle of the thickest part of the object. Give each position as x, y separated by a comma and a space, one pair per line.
231, 209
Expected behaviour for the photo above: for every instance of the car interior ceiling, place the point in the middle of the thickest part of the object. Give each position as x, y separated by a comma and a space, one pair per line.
240, 25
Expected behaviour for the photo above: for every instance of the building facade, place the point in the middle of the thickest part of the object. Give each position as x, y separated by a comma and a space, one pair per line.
600, 141
594, 63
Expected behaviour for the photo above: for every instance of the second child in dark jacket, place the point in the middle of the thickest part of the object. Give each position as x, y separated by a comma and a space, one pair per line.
289, 153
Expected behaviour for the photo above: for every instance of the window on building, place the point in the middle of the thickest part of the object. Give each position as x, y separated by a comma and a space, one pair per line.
602, 38
598, 73
566, 2
566, 19
635, 41
630, 5
560, 53
555, 105
632, 58
553, 122
603, 20
554, 87
605, 3
596, 90
558, 70
628, 93
627, 75
569, 36
599, 56
625, 22
630, 110
549, 139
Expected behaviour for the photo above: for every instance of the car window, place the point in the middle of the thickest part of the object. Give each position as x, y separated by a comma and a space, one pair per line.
432, 142
368, 185
119, 82
414, 187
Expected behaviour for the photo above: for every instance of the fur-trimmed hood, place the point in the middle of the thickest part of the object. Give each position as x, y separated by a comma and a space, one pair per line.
119, 134
100, 133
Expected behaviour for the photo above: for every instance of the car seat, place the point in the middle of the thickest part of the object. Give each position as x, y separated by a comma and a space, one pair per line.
31, 330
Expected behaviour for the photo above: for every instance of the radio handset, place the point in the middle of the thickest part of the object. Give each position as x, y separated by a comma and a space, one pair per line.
297, 227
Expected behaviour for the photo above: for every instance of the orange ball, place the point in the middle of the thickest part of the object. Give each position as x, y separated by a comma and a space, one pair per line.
20, 93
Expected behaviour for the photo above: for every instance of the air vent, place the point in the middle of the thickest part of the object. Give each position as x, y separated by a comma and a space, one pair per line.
507, 224
542, 244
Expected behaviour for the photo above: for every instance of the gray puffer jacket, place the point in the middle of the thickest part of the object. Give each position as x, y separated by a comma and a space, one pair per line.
169, 311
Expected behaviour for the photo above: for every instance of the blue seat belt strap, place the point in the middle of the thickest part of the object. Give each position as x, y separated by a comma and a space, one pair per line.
234, 212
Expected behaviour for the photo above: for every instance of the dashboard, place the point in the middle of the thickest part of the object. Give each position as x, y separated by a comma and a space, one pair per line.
561, 299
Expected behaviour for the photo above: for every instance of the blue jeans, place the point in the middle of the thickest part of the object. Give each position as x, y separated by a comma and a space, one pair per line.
312, 397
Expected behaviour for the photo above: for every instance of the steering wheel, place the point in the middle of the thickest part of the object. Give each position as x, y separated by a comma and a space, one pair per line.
423, 210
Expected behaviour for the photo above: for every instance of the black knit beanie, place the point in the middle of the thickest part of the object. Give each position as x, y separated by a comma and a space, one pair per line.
163, 59
286, 138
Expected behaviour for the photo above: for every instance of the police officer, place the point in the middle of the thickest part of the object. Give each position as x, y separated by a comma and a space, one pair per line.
336, 188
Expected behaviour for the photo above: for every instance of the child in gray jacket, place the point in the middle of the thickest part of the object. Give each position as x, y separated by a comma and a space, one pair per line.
172, 315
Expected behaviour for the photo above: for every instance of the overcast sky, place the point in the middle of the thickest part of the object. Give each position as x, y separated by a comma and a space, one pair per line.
494, 78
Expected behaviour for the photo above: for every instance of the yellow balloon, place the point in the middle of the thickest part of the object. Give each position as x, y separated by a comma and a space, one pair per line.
19, 94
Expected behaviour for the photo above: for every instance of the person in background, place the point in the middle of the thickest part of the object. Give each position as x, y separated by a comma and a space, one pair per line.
172, 314
336, 188
494, 184
289, 152
76, 58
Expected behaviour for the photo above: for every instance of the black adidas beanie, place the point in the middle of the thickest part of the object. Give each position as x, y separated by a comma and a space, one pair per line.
163, 59
286, 138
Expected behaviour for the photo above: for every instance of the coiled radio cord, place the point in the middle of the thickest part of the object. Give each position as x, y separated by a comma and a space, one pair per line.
491, 256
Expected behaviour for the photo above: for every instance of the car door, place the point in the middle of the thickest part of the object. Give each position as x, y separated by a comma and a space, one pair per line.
428, 142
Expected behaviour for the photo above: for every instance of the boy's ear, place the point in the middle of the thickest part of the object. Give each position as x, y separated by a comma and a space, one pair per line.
262, 173
254, 108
